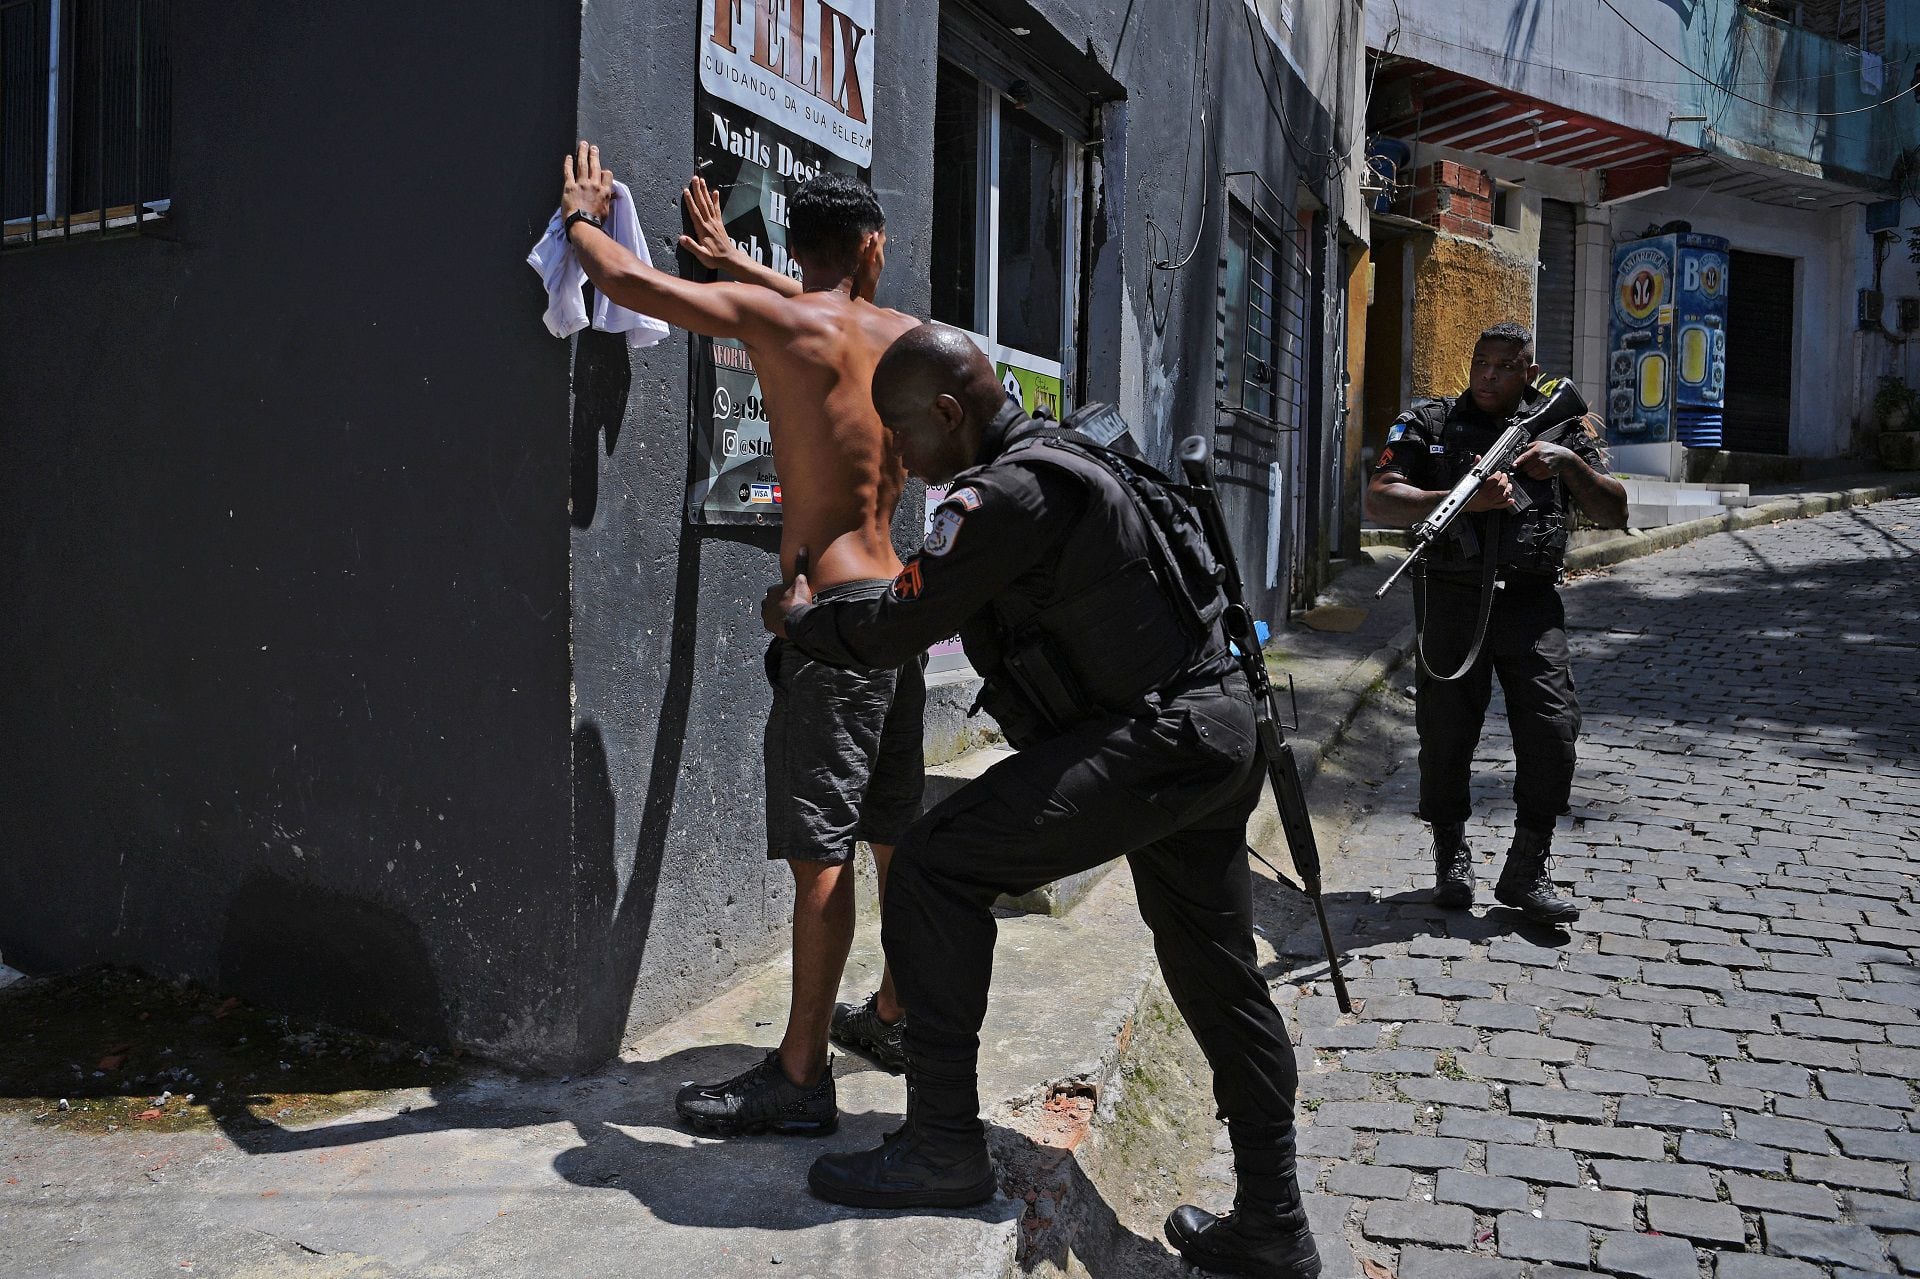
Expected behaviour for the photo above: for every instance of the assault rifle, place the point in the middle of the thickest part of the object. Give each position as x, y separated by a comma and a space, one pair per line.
1283, 770
1559, 410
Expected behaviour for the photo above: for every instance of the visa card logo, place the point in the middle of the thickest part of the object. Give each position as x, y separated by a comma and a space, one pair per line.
760, 494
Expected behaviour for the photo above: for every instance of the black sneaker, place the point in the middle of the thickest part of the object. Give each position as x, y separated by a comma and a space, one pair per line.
858, 1028
761, 1099
911, 1168
1250, 1240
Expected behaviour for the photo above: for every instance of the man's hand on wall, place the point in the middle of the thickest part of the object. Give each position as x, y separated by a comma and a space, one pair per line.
585, 186
710, 244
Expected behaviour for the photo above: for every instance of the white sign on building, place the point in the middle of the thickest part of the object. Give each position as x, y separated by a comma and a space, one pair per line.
804, 65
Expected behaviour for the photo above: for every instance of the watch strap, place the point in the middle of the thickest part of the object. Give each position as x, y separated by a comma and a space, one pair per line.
581, 215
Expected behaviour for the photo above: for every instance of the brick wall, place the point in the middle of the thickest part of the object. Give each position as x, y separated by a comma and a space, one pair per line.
1454, 198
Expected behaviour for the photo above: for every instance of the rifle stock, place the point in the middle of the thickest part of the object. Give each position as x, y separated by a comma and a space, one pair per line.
1283, 770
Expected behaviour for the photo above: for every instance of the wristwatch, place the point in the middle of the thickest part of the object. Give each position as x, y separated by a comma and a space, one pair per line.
581, 215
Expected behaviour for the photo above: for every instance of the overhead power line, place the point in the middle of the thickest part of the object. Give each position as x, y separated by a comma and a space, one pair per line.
1712, 83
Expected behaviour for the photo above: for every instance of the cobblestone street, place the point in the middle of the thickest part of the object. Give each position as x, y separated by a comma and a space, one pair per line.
1710, 1074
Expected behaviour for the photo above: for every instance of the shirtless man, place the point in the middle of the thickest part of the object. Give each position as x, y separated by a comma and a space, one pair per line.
842, 748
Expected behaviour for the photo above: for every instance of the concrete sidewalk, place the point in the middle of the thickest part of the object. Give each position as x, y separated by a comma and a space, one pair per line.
501, 1177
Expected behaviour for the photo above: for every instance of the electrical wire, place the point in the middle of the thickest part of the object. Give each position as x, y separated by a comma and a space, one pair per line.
1203, 87
1277, 107
1820, 115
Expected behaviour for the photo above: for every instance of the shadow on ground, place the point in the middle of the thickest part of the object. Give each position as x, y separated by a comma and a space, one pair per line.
111, 1043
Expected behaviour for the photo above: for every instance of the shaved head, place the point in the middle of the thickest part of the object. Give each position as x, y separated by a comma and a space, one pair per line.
932, 360
937, 392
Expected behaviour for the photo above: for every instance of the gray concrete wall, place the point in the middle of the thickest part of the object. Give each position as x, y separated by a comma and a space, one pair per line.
358, 655
282, 539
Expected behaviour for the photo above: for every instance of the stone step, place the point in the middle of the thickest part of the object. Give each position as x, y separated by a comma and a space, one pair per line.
1645, 515
1055, 899
1061, 896
1648, 492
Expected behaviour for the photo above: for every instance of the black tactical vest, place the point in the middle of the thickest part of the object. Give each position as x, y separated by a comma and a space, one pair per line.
1533, 541
1136, 605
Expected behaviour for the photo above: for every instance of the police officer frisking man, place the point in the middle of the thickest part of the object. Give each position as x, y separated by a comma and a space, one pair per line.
1135, 736
1429, 449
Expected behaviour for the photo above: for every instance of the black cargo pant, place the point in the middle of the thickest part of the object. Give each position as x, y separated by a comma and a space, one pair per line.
1172, 793
1526, 646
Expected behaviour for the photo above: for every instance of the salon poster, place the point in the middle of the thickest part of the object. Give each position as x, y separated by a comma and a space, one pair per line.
784, 94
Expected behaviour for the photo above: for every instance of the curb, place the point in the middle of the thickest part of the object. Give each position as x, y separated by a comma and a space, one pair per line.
1632, 545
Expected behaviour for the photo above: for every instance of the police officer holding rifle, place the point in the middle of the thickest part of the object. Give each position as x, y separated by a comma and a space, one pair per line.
1091, 607
1486, 600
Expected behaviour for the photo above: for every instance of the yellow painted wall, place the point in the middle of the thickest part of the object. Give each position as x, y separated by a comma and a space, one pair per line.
1359, 273
1461, 287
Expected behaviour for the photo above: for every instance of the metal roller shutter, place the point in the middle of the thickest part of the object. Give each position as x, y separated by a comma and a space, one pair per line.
1554, 291
1759, 352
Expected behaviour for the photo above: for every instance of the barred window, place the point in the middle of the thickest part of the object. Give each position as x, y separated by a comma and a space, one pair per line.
1261, 319
86, 117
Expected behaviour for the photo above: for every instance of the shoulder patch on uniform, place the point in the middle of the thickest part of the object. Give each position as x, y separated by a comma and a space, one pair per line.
1386, 456
946, 527
907, 585
1395, 431
968, 498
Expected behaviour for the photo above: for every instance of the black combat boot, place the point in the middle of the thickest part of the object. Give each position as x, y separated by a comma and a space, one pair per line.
1257, 1238
927, 1162
761, 1099
1525, 885
1452, 866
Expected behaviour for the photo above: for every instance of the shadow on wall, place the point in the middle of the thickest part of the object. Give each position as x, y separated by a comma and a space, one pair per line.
341, 959
614, 923
602, 378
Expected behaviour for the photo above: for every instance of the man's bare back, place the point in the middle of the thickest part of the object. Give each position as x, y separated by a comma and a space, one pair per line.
840, 474
815, 351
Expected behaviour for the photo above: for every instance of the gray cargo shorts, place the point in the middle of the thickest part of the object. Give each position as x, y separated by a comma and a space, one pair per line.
843, 749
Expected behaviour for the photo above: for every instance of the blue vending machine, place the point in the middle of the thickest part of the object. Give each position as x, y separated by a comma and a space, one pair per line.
1667, 351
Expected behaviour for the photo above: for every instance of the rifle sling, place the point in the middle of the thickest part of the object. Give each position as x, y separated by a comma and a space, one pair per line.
1489, 570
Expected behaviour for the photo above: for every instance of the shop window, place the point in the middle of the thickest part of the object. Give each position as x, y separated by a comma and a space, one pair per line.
85, 116
1004, 258
1262, 319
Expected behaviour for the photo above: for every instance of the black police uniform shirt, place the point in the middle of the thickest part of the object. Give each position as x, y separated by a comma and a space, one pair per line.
999, 528
1434, 444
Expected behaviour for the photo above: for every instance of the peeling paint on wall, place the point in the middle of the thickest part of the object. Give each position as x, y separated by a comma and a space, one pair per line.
1460, 288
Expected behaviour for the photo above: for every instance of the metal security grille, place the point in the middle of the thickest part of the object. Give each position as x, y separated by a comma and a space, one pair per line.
1760, 306
86, 116
1263, 322
1261, 367
1556, 291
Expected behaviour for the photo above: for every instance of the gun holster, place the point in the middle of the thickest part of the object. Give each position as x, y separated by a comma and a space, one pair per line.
1043, 681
